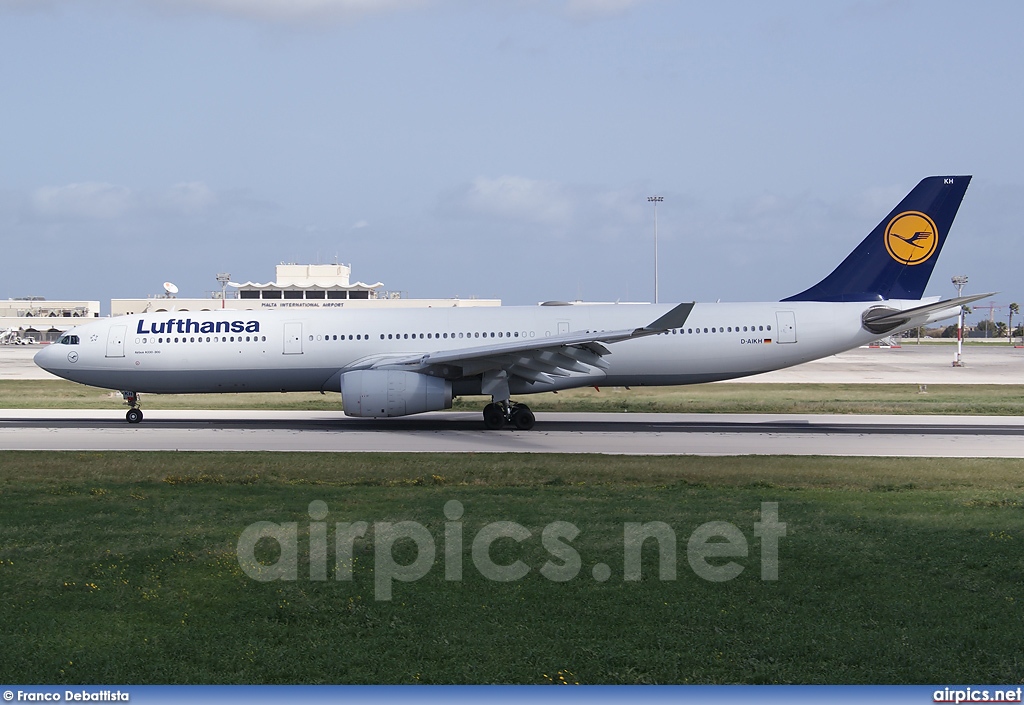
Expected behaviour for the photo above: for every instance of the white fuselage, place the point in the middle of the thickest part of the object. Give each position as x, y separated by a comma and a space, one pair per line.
259, 351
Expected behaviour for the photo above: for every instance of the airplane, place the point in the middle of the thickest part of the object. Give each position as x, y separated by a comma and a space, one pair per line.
396, 362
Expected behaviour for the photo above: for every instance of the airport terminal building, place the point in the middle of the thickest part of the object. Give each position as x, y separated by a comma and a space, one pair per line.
294, 286
33, 319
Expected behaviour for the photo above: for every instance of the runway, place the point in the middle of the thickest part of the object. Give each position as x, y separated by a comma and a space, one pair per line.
633, 434
455, 432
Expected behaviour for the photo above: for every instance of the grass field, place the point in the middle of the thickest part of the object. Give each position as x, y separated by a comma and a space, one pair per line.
701, 398
122, 568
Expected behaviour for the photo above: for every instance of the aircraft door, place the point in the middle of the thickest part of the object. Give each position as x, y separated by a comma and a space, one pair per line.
786, 332
563, 327
115, 341
293, 338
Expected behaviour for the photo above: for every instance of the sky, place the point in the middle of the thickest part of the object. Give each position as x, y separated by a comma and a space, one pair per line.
501, 149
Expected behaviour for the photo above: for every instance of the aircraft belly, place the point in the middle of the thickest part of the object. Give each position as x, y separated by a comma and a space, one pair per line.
207, 381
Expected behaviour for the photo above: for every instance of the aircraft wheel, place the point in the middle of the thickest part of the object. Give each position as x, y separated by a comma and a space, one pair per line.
494, 416
523, 418
134, 415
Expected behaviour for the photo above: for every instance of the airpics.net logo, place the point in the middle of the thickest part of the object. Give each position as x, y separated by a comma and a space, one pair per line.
713, 549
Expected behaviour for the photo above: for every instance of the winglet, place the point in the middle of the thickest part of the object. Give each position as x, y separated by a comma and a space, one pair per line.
673, 319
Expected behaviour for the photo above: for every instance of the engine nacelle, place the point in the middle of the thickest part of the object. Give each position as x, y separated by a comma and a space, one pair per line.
381, 393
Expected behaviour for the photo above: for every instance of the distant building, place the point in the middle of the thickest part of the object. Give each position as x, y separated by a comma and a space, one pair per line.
294, 286
35, 318
310, 282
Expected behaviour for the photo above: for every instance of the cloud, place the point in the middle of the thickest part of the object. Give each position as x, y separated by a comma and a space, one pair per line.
595, 9
321, 10
297, 10
263, 10
90, 200
189, 198
95, 200
519, 206
24, 4
513, 198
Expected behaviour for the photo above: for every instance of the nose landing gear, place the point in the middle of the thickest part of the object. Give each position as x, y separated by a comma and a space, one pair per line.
134, 414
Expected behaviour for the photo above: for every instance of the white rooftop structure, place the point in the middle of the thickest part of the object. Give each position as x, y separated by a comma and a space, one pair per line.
294, 286
310, 277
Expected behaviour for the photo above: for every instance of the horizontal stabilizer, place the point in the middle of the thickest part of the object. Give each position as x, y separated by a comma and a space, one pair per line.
883, 320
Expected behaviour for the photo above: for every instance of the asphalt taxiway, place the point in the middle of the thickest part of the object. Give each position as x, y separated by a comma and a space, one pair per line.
457, 432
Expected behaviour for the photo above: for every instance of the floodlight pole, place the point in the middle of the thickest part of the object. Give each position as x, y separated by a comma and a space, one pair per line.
959, 281
223, 278
655, 200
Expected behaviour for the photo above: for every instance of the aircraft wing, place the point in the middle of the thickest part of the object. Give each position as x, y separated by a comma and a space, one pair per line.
535, 360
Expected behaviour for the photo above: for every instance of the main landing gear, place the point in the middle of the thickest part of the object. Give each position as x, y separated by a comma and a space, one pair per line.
134, 414
497, 414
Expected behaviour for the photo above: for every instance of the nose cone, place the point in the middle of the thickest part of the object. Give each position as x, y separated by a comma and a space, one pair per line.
57, 359
44, 358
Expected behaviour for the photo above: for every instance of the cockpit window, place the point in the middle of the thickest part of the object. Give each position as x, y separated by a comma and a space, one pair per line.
68, 340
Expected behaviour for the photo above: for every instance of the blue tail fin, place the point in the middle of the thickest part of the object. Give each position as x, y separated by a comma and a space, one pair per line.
897, 258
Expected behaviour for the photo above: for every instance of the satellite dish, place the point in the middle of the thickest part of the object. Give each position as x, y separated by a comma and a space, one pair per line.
170, 288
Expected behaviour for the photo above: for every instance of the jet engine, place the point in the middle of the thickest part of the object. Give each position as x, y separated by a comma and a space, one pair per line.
382, 393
